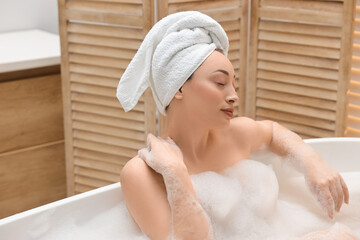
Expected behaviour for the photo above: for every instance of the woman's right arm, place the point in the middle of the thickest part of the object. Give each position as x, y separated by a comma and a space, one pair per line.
160, 196
145, 196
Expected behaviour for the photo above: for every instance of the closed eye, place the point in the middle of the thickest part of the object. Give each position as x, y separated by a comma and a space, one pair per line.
221, 84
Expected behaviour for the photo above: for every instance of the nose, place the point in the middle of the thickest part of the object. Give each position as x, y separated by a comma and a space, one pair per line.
232, 98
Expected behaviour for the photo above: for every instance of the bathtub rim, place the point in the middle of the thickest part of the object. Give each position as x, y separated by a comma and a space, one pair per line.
332, 139
58, 203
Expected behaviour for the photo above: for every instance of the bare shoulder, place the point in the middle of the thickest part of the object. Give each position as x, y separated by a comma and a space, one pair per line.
137, 172
245, 126
242, 122
256, 133
133, 167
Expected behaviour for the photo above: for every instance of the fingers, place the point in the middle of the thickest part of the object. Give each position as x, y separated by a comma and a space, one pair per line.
327, 202
331, 195
345, 190
154, 142
339, 192
340, 195
334, 195
145, 155
150, 140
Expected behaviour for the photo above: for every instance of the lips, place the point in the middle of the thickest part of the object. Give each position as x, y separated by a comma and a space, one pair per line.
228, 111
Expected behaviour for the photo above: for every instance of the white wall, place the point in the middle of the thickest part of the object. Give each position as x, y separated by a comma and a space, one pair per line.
16, 15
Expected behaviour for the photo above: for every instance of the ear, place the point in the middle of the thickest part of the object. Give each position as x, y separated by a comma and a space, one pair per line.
179, 95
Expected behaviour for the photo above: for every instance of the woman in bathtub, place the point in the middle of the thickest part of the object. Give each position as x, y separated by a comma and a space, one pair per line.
201, 134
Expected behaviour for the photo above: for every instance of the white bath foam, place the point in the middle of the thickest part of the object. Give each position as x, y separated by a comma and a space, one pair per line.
259, 214
249, 209
336, 232
107, 223
294, 193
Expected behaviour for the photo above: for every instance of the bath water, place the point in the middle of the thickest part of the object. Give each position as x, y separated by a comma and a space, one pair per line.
246, 201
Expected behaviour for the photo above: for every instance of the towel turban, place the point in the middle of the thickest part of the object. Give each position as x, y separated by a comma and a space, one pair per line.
172, 50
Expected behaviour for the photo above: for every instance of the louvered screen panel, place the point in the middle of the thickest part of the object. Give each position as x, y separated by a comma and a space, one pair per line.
98, 40
298, 72
233, 16
353, 117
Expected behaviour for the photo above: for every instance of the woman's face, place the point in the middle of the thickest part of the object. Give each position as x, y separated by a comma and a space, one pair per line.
210, 93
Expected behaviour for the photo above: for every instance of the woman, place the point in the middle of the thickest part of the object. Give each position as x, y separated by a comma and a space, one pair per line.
202, 136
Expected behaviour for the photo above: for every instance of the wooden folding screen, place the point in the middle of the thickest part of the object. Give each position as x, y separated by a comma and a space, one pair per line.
299, 64
233, 16
297, 72
353, 114
98, 40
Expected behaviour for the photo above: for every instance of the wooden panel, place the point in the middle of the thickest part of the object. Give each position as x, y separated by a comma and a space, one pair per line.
98, 41
353, 122
295, 118
112, 131
96, 6
297, 98
310, 5
298, 28
297, 90
108, 121
353, 94
105, 31
299, 64
94, 80
307, 131
296, 109
302, 15
104, 18
205, 5
104, 41
315, 51
96, 174
107, 139
318, 62
99, 156
31, 112
107, 111
29, 73
297, 79
354, 98
100, 61
102, 51
31, 177
298, 70
300, 39
99, 165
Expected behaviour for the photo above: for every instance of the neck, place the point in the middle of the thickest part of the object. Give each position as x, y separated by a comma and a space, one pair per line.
190, 135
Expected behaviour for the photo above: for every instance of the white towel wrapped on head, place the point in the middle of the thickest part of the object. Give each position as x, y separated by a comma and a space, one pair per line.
172, 50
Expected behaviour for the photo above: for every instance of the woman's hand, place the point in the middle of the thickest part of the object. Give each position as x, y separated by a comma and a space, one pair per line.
162, 155
327, 185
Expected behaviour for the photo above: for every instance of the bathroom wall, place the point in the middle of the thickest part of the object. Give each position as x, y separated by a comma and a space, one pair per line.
24, 14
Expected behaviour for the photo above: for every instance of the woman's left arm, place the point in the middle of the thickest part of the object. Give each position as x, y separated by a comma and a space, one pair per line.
324, 182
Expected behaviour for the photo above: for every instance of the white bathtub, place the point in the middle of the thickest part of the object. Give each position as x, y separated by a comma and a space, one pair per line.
342, 153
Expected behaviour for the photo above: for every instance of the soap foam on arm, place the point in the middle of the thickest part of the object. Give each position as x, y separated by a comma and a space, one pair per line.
326, 184
188, 220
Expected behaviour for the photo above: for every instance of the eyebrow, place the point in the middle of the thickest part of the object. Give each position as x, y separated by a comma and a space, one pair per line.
224, 72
